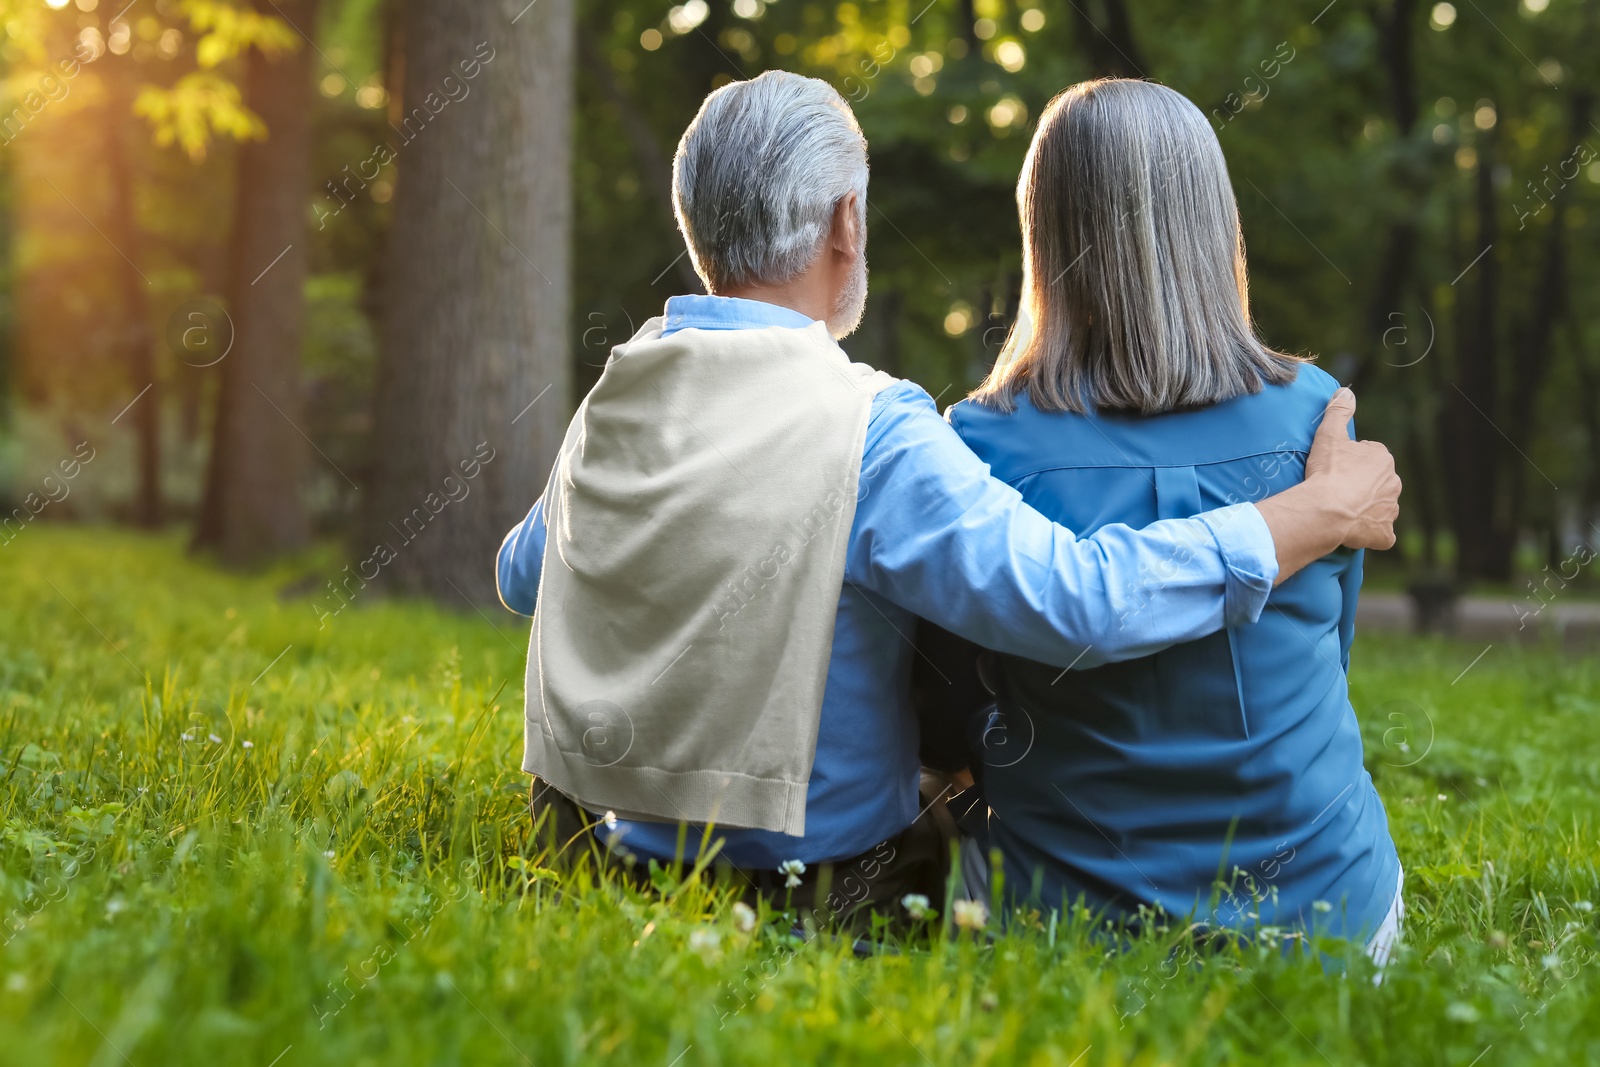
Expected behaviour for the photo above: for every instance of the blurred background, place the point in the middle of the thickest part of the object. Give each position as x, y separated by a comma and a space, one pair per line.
335, 272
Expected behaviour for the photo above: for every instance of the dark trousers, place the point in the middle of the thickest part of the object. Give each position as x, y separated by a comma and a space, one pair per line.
841, 895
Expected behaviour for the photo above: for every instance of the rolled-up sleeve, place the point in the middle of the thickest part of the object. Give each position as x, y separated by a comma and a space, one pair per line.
937, 535
1246, 549
521, 558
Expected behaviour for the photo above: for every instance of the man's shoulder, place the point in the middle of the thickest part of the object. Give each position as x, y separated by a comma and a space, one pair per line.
906, 418
897, 394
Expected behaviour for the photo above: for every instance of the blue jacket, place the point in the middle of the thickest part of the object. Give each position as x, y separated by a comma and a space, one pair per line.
1149, 778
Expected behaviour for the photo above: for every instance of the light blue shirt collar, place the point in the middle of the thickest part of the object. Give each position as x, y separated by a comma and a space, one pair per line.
697, 312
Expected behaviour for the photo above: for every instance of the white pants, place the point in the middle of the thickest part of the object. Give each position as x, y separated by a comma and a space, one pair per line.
1388, 935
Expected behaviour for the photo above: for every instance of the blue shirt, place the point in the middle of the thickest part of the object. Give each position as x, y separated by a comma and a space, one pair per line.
935, 536
1238, 750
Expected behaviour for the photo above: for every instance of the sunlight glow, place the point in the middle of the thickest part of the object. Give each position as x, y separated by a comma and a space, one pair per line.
1010, 55
686, 17
959, 320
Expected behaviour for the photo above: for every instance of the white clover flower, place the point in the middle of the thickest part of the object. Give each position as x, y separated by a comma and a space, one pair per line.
970, 914
744, 917
248, 744
916, 904
610, 820
1584, 906
1322, 906
794, 869
705, 941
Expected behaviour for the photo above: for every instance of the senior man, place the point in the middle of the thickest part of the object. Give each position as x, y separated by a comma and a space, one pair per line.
742, 528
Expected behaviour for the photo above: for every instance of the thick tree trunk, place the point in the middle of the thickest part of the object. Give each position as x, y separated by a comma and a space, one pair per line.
475, 375
138, 343
252, 509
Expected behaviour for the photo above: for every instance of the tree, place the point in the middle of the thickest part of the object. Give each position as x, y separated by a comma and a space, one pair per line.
474, 373
1108, 41
137, 343
252, 506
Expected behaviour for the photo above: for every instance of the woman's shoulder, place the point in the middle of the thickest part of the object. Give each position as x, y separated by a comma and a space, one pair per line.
1276, 418
1314, 382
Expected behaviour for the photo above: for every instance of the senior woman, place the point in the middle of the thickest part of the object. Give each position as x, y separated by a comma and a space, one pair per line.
1221, 779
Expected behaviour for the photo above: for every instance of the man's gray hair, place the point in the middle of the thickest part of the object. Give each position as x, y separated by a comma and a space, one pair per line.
758, 174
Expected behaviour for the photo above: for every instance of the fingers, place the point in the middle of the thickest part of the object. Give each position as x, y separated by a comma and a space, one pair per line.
1336, 419
1376, 529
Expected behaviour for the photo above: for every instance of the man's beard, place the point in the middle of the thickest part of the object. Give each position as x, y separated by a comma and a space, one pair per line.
852, 302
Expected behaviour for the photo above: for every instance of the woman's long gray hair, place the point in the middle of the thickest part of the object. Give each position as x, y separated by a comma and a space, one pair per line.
1135, 296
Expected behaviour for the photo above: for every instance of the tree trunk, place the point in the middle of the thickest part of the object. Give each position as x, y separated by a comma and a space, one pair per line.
654, 163
251, 509
1589, 404
1548, 303
1108, 41
1386, 308
138, 343
475, 374
1482, 548
8, 287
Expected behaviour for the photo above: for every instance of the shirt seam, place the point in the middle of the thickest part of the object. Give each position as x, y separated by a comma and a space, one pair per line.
1157, 466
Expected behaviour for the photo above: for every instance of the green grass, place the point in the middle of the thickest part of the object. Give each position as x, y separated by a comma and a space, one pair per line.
356, 886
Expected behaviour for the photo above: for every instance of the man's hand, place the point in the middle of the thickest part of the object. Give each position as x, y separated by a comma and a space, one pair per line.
1351, 495
1354, 477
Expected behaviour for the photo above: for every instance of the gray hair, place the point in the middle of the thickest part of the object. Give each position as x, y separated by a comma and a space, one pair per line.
1135, 296
758, 174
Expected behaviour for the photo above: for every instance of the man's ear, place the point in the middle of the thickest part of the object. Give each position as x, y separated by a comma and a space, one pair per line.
847, 236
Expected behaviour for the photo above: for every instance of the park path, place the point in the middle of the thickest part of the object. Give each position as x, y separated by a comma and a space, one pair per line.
1573, 622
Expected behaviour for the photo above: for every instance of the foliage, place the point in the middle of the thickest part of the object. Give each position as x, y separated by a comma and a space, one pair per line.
202, 101
197, 105
227, 835
1327, 160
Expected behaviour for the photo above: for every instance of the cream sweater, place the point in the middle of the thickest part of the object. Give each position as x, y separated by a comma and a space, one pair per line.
697, 516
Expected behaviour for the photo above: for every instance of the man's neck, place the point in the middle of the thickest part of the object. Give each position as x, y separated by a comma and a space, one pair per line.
804, 293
